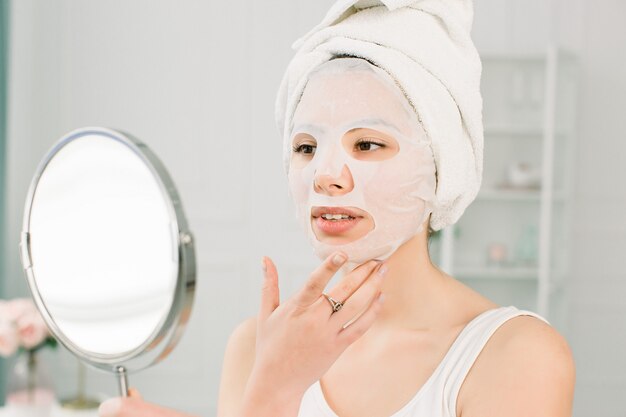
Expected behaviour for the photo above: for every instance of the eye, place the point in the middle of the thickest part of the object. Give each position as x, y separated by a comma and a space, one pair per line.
366, 145
304, 148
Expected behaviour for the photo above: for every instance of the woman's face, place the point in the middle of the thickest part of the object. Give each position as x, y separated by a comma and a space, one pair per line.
359, 153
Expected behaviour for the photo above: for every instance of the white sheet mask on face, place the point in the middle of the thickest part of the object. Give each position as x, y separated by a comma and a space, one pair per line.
396, 189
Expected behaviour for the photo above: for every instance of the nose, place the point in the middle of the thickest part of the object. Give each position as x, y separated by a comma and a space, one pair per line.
334, 185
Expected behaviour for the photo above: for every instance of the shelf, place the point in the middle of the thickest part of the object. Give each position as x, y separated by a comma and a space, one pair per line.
511, 273
511, 194
530, 56
512, 130
496, 272
508, 56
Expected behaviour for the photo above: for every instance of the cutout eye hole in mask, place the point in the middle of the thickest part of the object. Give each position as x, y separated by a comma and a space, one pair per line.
361, 143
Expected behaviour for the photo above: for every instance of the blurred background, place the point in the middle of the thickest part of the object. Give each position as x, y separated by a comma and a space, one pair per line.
196, 81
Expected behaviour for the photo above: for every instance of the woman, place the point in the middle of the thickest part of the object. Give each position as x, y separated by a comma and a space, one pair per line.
378, 154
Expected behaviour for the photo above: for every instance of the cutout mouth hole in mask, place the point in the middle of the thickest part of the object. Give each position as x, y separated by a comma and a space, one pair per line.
338, 225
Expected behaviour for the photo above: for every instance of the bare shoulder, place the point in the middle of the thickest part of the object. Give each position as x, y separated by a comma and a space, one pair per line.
526, 368
237, 367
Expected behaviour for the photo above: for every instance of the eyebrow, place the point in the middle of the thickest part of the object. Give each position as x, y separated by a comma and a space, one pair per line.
319, 129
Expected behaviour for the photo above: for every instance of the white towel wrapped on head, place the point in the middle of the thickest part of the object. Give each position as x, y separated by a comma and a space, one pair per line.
425, 46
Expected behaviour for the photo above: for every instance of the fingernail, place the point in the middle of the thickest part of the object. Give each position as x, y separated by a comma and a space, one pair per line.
339, 259
382, 270
110, 407
263, 265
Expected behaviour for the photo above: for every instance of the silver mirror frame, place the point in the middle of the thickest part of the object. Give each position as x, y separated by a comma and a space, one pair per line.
169, 331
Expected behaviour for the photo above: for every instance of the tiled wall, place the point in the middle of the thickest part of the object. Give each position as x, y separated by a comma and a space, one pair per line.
196, 80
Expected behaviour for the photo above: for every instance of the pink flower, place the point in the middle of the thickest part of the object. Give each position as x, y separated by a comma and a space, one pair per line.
14, 309
20, 325
32, 330
9, 340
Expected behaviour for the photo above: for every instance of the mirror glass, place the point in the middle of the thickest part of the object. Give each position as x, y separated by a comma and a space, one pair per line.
101, 248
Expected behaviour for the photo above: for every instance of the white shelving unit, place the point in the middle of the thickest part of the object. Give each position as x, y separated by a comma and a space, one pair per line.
529, 117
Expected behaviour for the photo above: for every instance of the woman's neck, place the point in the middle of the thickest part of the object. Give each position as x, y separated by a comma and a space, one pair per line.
420, 298
415, 290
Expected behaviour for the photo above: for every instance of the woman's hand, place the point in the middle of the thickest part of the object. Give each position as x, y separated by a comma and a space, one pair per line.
298, 341
135, 406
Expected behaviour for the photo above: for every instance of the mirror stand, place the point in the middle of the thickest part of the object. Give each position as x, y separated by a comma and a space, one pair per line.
122, 380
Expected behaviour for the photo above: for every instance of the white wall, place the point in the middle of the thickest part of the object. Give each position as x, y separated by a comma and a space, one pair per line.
196, 80
597, 305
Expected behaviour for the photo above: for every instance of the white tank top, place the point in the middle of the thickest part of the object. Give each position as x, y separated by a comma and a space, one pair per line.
437, 397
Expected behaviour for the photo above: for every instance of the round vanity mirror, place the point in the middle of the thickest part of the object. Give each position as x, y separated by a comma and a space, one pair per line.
107, 252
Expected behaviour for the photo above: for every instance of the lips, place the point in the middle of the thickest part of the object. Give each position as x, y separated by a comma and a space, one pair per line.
317, 211
336, 226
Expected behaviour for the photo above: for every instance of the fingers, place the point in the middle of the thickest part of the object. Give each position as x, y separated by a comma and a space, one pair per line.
354, 280
359, 326
134, 393
110, 407
319, 279
135, 407
270, 296
357, 302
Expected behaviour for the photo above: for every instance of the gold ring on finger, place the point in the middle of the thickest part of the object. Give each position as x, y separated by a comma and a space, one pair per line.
334, 303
